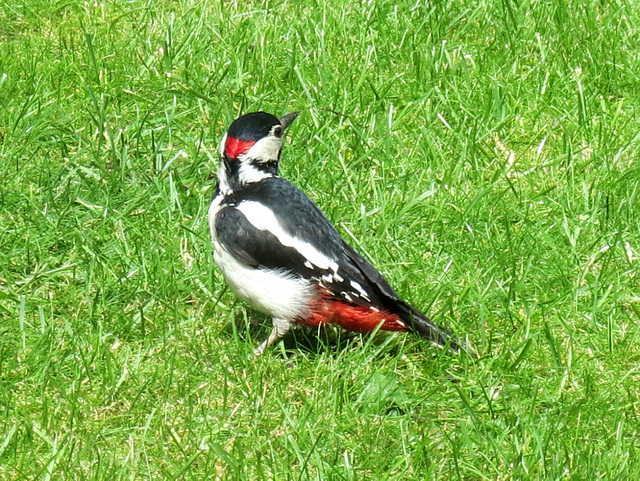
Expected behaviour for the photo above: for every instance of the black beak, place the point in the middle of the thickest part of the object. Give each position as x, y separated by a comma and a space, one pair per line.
286, 120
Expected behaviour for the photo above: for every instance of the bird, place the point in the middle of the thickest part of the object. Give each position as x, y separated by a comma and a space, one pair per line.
280, 254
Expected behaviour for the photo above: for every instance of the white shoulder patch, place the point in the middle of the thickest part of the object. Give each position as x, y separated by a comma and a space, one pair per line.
263, 218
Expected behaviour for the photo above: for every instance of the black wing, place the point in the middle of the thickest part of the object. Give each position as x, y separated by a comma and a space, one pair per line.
302, 219
255, 247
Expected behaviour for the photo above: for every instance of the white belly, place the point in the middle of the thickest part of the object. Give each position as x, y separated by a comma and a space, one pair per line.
274, 293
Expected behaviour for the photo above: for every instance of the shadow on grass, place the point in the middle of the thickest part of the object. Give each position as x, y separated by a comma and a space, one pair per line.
252, 327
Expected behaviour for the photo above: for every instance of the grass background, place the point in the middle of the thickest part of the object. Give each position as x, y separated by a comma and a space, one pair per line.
482, 154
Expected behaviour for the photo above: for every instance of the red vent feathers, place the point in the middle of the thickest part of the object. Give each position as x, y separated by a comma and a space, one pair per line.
352, 318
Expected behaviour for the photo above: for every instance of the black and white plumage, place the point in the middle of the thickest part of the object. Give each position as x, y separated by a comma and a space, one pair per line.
281, 255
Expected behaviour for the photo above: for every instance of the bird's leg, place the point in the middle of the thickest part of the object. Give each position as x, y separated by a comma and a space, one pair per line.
280, 328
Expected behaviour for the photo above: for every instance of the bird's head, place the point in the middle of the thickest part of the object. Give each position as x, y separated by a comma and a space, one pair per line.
250, 150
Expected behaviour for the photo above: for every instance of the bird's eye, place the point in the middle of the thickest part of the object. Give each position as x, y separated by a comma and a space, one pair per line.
277, 131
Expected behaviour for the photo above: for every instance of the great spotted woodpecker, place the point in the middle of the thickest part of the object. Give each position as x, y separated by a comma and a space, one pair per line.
281, 255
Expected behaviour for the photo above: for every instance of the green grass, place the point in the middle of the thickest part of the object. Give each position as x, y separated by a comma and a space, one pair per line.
482, 154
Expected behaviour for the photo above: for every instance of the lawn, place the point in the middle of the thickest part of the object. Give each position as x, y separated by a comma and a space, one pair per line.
483, 155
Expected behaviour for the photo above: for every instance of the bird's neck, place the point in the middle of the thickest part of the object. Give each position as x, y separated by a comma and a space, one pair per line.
234, 174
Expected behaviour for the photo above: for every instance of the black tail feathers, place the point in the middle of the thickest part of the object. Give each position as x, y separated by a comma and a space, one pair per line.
429, 330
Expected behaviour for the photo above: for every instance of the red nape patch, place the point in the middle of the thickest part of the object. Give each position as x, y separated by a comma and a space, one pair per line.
233, 147
352, 318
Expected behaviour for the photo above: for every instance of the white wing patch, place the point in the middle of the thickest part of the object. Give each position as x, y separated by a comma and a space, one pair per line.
326, 279
361, 292
263, 218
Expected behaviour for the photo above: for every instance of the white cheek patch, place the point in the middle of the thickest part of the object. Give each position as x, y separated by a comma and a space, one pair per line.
266, 149
263, 218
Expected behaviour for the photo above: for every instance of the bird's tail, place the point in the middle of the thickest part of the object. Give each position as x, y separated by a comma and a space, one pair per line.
416, 320
431, 331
